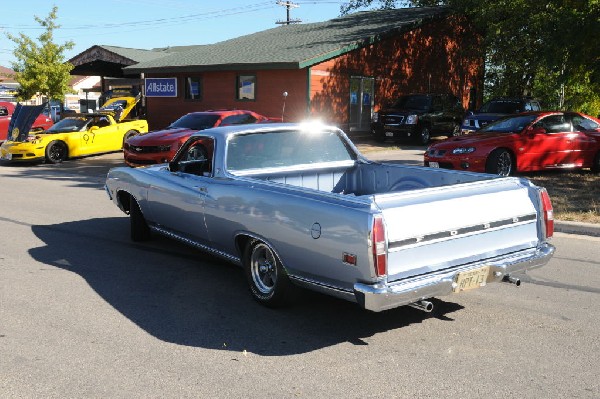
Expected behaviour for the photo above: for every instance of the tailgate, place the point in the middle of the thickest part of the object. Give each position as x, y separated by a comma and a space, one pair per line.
440, 228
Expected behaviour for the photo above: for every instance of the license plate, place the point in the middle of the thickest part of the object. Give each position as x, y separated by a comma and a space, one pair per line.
434, 165
471, 279
6, 157
389, 134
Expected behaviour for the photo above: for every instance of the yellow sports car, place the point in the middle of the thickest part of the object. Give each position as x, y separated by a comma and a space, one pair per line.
77, 135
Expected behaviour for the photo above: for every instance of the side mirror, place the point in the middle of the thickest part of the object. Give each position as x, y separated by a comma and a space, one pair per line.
173, 166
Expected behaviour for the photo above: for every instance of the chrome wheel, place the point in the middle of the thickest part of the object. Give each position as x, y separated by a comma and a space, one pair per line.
500, 162
263, 268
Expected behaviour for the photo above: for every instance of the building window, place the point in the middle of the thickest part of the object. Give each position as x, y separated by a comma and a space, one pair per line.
246, 87
193, 88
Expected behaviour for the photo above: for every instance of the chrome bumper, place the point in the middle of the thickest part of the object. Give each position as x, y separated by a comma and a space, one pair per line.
382, 296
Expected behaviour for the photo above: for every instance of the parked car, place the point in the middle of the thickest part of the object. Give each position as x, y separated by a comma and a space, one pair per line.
496, 109
521, 143
297, 204
7, 109
78, 135
418, 117
161, 146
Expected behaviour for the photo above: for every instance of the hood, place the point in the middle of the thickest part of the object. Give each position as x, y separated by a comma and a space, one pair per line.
402, 111
22, 119
484, 116
119, 107
161, 137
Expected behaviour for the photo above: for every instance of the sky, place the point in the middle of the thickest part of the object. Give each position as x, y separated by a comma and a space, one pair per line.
147, 24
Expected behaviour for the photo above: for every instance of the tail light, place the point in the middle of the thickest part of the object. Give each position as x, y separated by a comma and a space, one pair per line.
548, 213
378, 245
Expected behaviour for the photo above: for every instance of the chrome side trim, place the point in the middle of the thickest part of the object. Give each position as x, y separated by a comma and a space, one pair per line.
195, 244
382, 296
324, 288
463, 231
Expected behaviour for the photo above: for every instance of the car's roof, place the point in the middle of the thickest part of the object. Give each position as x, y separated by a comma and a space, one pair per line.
222, 112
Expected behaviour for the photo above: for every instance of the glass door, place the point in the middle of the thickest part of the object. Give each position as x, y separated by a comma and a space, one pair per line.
362, 90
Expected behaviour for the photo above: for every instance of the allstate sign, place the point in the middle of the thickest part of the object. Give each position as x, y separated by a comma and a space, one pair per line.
161, 87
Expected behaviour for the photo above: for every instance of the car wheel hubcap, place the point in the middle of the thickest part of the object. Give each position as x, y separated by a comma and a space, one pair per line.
263, 268
504, 164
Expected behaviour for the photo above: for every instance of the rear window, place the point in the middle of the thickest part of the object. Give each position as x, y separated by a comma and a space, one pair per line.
195, 121
501, 107
285, 149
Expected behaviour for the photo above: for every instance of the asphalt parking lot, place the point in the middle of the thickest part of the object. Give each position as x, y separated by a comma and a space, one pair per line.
84, 312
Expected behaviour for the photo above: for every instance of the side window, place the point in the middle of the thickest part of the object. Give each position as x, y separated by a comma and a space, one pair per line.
193, 88
3, 111
535, 106
197, 157
555, 124
582, 124
240, 119
528, 106
246, 87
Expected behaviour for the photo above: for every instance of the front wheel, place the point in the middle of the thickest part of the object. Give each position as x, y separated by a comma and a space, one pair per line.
500, 162
596, 164
139, 228
268, 281
56, 152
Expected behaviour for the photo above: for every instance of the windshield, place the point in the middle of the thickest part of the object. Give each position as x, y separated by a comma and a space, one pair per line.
195, 121
115, 105
501, 107
69, 125
511, 124
285, 149
421, 103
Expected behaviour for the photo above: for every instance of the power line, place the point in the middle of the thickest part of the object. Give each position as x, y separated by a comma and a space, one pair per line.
288, 5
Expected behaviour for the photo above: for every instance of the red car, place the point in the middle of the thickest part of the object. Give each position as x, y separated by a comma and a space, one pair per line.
161, 146
524, 142
42, 122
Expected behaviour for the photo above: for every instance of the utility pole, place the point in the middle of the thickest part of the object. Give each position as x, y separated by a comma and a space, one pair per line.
288, 5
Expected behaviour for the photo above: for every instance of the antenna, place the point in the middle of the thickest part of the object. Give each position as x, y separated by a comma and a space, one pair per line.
288, 5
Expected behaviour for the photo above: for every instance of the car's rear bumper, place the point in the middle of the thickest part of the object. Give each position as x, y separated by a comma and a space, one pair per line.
383, 296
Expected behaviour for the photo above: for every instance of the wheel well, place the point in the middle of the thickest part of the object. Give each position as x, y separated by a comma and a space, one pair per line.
240, 243
124, 199
512, 154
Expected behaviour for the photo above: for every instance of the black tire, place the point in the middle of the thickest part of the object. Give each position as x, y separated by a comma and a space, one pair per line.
139, 228
129, 134
56, 152
500, 162
268, 281
455, 130
596, 164
423, 136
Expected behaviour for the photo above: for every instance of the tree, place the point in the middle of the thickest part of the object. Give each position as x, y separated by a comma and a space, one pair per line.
543, 49
40, 68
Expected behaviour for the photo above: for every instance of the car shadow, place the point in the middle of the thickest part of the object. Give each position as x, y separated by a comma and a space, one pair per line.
81, 172
183, 296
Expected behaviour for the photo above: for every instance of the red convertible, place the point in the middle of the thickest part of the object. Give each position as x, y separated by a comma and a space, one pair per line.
521, 143
42, 122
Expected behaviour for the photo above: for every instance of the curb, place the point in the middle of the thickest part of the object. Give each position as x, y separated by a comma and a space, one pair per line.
586, 229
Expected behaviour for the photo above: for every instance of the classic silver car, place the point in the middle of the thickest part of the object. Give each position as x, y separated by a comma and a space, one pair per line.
298, 205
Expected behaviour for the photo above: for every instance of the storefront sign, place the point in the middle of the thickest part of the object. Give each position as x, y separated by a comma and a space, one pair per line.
161, 87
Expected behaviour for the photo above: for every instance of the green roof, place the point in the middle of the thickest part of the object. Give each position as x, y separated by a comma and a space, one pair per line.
293, 46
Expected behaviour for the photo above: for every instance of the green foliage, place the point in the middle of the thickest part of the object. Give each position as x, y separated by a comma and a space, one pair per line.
545, 49
40, 68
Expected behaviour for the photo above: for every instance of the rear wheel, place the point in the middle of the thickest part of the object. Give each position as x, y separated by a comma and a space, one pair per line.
56, 152
455, 130
423, 135
268, 281
139, 228
500, 162
129, 135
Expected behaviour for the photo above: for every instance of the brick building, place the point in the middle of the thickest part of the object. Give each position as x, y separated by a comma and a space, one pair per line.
339, 71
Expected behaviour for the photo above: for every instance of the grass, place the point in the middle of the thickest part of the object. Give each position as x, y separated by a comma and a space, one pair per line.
575, 195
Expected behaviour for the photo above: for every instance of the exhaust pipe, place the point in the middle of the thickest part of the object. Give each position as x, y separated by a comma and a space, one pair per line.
425, 306
513, 280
